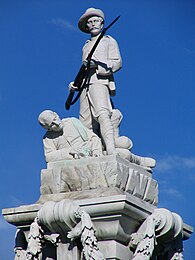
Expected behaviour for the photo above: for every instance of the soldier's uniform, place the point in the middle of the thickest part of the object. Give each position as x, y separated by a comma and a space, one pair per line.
95, 98
95, 105
74, 136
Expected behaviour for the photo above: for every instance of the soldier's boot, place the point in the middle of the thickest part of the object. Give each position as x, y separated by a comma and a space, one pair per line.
120, 141
107, 133
143, 161
116, 119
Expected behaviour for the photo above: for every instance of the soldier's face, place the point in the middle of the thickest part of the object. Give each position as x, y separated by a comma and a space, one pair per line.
94, 25
54, 123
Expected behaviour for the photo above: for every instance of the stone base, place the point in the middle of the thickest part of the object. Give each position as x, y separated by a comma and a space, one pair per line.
97, 174
103, 208
114, 218
117, 195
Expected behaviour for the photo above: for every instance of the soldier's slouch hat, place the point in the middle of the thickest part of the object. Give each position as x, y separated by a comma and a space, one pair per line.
89, 13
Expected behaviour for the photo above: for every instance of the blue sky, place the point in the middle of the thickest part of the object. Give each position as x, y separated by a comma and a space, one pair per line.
40, 53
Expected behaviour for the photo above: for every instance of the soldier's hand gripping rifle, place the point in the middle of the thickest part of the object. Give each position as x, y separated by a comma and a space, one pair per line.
82, 76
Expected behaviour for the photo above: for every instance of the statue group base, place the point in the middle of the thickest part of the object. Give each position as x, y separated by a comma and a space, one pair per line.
117, 196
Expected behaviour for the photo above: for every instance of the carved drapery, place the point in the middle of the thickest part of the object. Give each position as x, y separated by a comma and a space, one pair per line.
77, 221
161, 227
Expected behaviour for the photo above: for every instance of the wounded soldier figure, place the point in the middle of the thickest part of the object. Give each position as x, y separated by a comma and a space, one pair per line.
68, 138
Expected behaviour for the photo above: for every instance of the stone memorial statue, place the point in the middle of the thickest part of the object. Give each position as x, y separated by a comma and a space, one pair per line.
67, 138
97, 200
95, 104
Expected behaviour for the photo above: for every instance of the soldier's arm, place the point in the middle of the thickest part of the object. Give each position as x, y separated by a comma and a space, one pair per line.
52, 154
113, 62
114, 56
94, 142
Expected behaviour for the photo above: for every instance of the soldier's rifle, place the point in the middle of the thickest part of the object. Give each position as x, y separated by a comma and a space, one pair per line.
81, 78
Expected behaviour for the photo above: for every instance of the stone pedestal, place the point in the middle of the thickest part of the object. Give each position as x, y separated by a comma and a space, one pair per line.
97, 174
117, 195
114, 218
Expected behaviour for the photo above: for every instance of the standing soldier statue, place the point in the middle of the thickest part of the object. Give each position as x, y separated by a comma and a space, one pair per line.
95, 104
